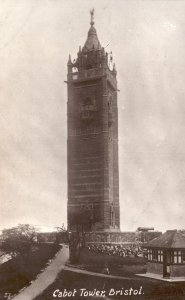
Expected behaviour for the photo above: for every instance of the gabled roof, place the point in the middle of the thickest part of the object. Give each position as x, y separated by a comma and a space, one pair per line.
92, 42
170, 239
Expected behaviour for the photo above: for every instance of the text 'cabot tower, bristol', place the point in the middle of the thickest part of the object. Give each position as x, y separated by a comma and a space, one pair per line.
93, 177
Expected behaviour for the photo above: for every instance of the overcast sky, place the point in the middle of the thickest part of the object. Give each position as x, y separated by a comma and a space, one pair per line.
147, 39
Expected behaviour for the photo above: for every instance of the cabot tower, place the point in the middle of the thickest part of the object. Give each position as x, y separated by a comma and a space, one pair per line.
93, 177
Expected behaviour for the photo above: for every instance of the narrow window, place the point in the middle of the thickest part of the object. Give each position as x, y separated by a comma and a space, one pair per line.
183, 257
155, 255
161, 255
177, 257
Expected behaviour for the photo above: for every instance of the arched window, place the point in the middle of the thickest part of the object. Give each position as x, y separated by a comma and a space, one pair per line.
112, 219
87, 101
88, 107
110, 115
110, 104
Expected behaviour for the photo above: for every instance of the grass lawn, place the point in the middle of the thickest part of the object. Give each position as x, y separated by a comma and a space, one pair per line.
128, 267
18, 272
117, 265
151, 289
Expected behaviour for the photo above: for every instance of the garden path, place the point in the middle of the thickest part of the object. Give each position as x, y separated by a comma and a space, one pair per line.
45, 278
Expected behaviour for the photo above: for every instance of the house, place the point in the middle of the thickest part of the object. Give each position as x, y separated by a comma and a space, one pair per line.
166, 254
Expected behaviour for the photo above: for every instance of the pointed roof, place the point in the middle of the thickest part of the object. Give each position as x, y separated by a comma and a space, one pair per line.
170, 239
92, 42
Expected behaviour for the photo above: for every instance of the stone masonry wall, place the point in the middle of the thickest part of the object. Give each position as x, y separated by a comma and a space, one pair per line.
155, 267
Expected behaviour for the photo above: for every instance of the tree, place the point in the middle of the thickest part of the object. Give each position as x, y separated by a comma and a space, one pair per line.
61, 235
61, 229
18, 240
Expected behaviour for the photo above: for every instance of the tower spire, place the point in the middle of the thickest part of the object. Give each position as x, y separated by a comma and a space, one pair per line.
92, 42
92, 17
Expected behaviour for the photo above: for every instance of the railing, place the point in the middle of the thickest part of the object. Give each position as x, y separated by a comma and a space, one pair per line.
96, 72
87, 73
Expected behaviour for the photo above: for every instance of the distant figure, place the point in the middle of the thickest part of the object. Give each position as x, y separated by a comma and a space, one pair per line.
106, 269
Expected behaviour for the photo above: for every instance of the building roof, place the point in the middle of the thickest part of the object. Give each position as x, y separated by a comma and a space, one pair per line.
92, 42
170, 239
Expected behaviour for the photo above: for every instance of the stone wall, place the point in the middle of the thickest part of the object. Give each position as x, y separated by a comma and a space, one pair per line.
117, 237
149, 235
177, 270
155, 267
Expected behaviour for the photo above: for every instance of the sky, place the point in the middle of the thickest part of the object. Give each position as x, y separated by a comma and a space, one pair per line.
147, 38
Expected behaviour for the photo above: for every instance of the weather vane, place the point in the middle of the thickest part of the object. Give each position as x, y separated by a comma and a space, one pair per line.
92, 16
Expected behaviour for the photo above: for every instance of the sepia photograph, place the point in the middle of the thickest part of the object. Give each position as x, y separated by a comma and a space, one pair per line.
92, 149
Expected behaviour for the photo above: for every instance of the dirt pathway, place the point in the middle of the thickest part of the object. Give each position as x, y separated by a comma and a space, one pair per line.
46, 278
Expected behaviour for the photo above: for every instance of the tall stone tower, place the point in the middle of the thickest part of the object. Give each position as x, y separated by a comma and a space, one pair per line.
93, 177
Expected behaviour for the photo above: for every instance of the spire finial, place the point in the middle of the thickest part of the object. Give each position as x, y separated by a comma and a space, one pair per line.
92, 17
